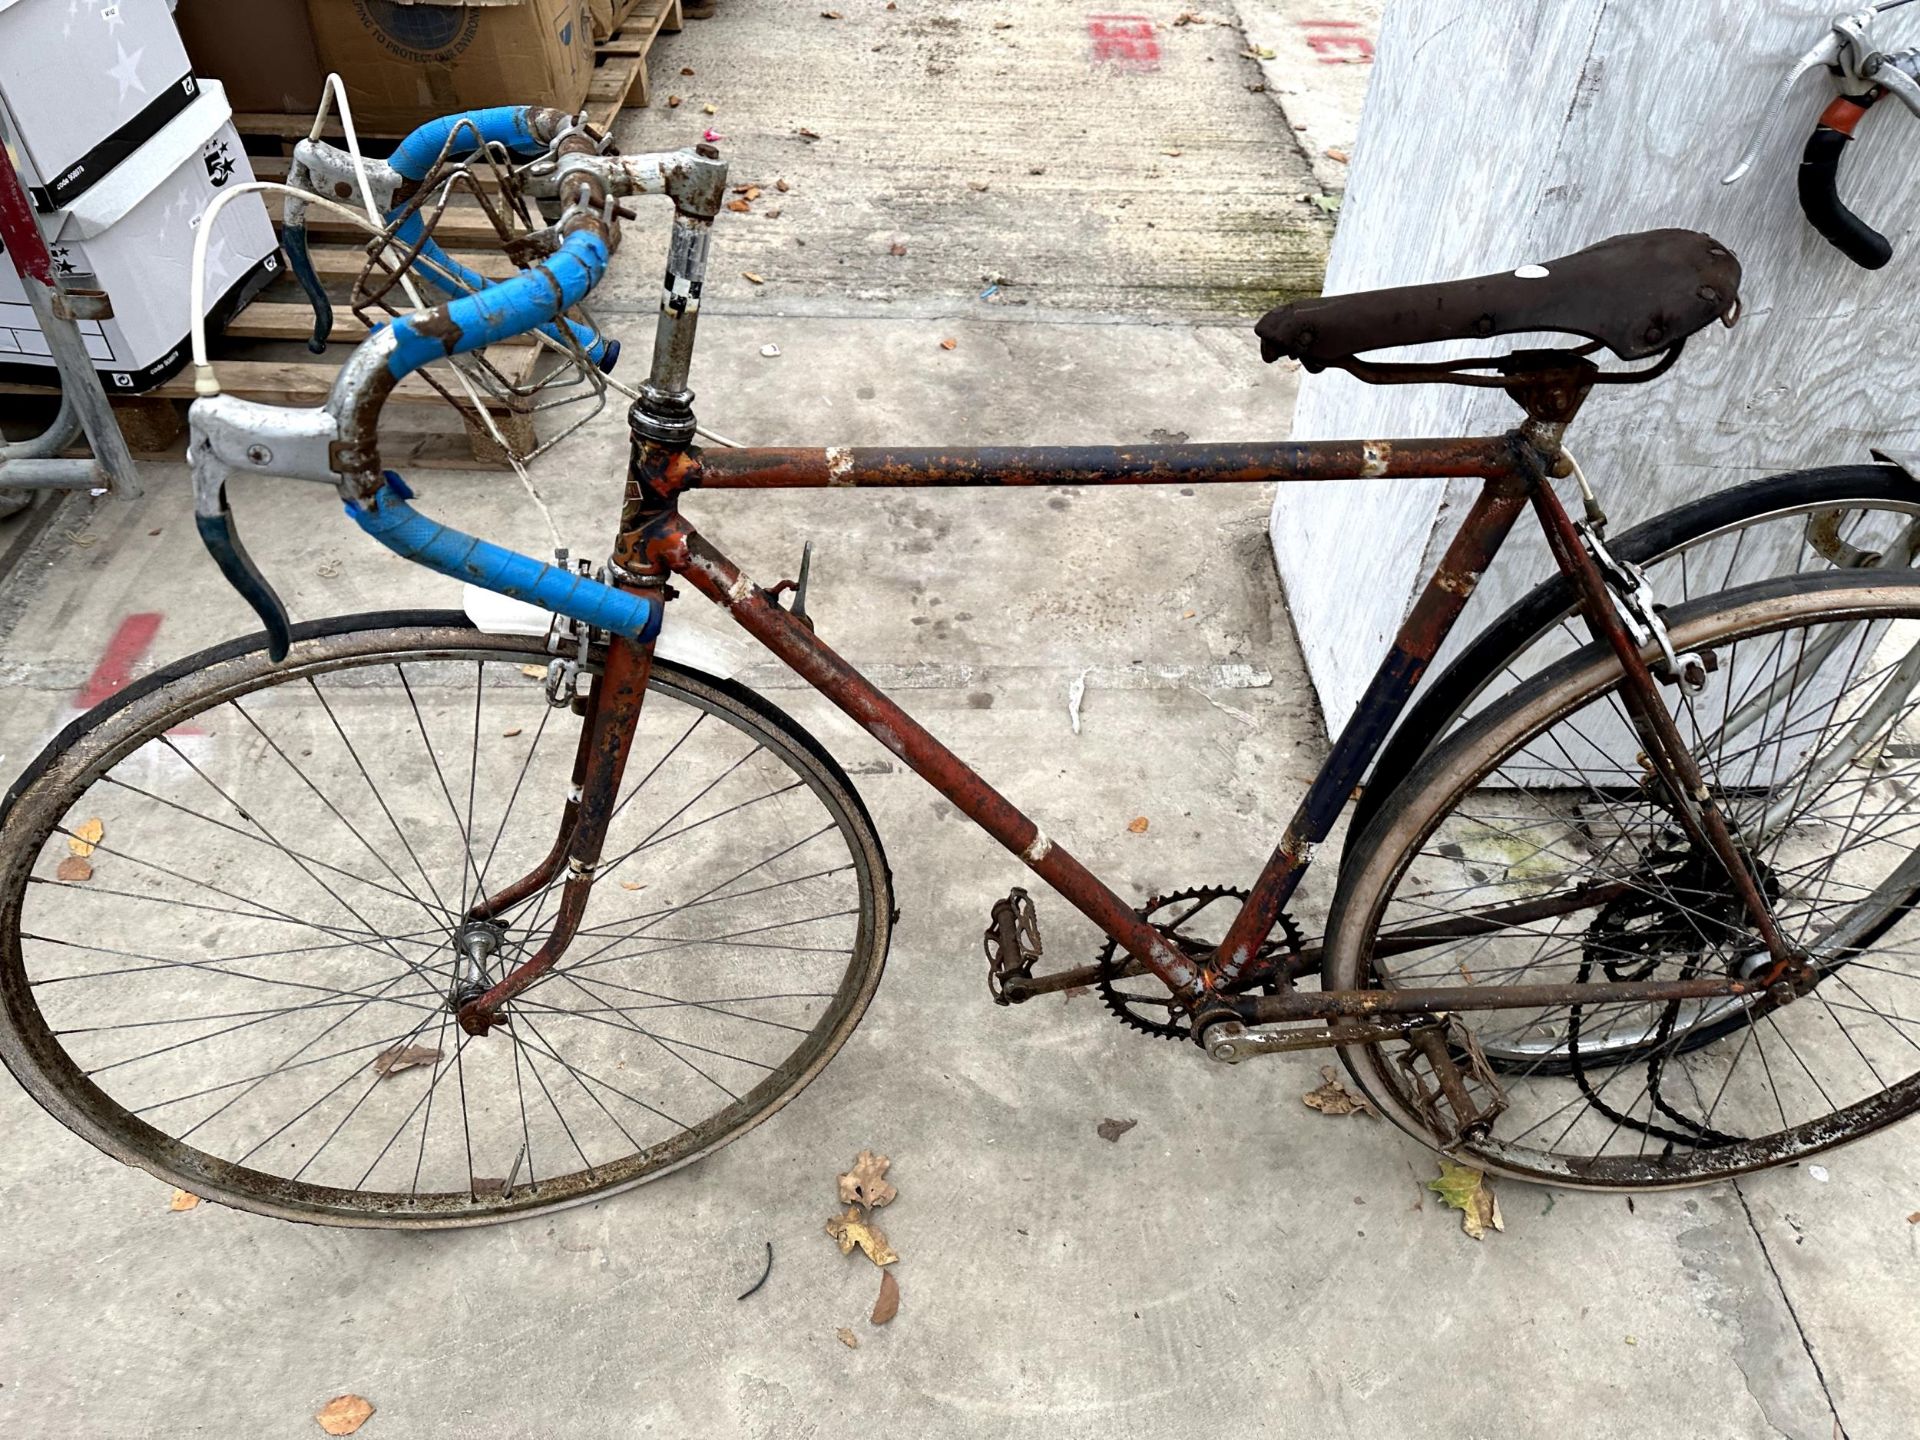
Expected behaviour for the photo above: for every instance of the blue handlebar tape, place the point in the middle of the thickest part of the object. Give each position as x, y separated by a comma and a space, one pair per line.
402, 529
506, 125
454, 279
513, 307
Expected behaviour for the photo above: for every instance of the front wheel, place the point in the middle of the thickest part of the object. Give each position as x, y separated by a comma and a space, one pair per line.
1542, 815
233, 900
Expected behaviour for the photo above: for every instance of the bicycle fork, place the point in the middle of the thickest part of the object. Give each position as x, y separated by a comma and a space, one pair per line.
606, 737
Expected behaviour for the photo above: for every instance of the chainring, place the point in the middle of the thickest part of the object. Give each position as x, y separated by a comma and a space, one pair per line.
1147, 1005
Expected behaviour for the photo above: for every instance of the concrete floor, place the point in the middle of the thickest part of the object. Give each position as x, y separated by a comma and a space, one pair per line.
1236, 1263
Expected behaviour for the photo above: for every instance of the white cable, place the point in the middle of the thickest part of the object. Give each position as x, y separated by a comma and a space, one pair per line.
203, 372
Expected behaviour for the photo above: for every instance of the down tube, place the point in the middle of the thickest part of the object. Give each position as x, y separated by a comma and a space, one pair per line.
716, 577
1446, 594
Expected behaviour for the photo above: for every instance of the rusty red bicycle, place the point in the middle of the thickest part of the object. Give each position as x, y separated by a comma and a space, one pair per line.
443, 918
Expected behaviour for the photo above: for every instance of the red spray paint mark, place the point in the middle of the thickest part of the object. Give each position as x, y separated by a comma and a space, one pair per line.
123, 652
1336, 44
1127, 42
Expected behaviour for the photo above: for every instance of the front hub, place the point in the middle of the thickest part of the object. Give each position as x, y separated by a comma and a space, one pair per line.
475, 944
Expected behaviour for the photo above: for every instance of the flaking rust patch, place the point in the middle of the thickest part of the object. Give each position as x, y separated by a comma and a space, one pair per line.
839, 462
1375, 455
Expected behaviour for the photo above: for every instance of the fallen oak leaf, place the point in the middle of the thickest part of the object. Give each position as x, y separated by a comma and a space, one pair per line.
1137, 825
1463, 1188
396, 1058
753, 192
183, 1200
847, 1338
1330, 1097
888, 1305
866, 1183
343, 1414
85, 836
73, 870
1112, 1130
739, 207
948, 343
853, 1229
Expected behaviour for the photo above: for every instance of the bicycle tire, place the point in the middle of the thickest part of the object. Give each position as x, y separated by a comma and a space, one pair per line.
88, 749
1385, 855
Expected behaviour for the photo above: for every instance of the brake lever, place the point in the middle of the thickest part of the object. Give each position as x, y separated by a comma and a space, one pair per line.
1862, 73
231, 436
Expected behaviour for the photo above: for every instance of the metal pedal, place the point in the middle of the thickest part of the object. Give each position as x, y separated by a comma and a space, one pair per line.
1012, 945
1442, 1095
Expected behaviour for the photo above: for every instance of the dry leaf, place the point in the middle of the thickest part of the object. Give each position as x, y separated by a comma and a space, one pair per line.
73, 870
852, 1229
1330, 1097
673, 102
1465, 1189
1176, 154
898, 247
753, 192
978, 184
1188, 614
633, 884
85, 836
686, 69
739, 207
1137, 825
183, 1200
343, 1414
866, 1183
756, 279
1914, 1219
782, 186
829, 14
1112, 1130
806, 134
888, 1305
509, 734
393, 1060
773, 214
710, 109
1336, 154
948, 343
848, 1338
534, 672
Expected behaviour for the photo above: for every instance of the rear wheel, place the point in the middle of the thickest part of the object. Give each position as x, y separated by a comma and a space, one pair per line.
246, 986
1808, 733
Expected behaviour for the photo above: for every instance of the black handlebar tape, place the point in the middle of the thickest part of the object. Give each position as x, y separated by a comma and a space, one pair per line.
1820, 189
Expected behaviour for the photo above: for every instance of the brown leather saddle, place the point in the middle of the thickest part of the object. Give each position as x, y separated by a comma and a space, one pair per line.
1638, 295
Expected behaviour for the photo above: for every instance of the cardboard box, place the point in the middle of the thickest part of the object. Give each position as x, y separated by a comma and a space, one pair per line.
132, 236
407, 61
261, 50
85, 86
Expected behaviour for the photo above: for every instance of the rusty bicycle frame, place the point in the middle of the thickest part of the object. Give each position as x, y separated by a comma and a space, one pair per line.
656, 544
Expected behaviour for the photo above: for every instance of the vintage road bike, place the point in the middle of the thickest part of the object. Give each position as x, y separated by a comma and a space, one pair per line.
435, 918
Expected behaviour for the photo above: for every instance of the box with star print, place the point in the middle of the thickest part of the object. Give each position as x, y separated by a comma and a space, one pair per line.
85, 84
132, 236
